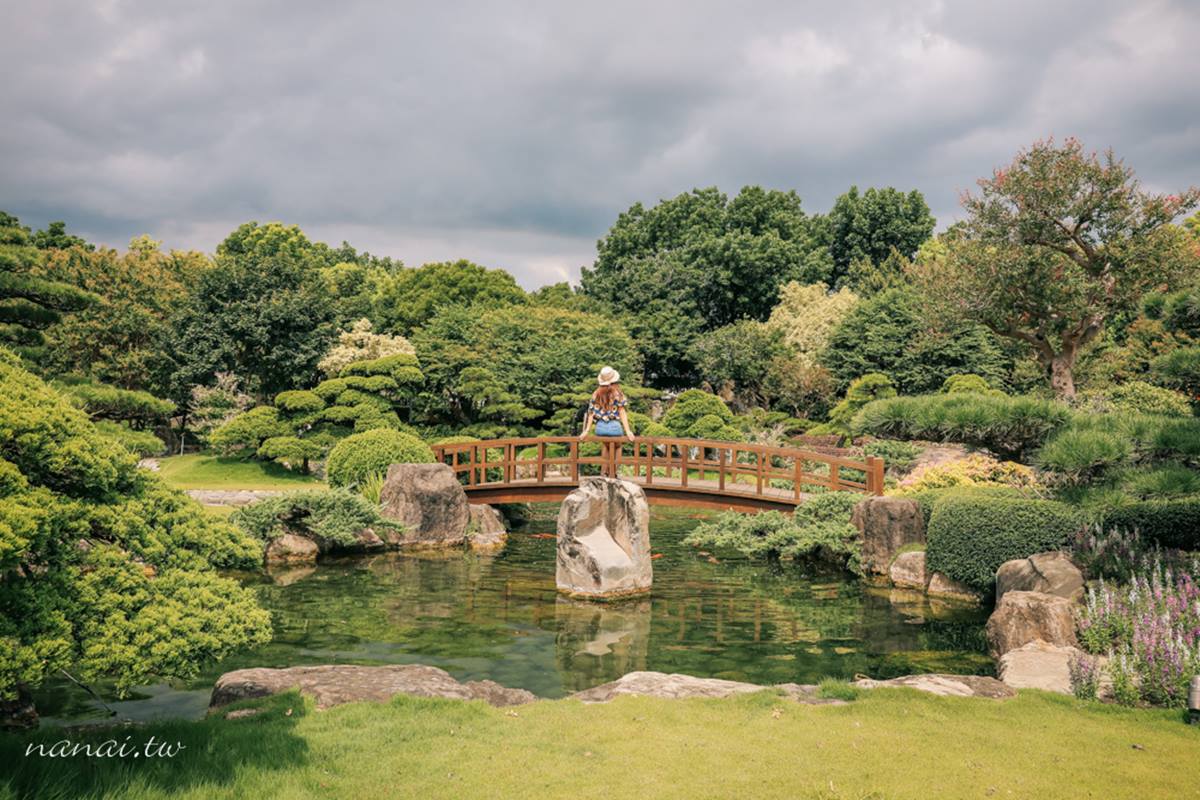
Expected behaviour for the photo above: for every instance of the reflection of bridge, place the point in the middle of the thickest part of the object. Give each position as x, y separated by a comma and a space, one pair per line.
685, 472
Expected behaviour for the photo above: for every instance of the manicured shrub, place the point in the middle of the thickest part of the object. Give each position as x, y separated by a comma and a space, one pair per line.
1082, 454
101, 401
299, 402
968, 384
690, 406
356, 457
898, 456
1179, 369
974, 470
292, 451
869, 387
1135, 397
335, 516
1008, 426
1170, 523
1157, 483
819, 529
706, 427
971, 535
248, 430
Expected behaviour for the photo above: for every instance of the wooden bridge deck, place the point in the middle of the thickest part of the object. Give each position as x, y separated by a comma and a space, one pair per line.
688, 472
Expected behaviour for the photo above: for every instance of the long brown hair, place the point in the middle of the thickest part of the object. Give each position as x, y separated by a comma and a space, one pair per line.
605, 398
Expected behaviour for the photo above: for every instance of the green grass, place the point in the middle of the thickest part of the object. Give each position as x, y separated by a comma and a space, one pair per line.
887, 744
200, 471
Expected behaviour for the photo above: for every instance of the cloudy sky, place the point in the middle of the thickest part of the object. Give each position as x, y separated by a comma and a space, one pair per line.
513, 133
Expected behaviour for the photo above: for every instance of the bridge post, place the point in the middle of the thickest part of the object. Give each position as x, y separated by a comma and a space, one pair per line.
875, 475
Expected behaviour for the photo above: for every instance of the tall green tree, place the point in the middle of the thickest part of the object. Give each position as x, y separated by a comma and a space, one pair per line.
866, 227
891, 334
698, 262
262, 312
501, 370
411, 297
29, 302
119, 338
1054, 246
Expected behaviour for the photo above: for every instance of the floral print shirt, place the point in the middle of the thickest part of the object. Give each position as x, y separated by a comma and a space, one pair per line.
611, 415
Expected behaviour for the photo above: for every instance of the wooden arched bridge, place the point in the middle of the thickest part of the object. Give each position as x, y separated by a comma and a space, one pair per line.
687, 472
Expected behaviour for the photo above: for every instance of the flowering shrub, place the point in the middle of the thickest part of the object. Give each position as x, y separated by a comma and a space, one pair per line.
1150, 629
974, 470
1085, 676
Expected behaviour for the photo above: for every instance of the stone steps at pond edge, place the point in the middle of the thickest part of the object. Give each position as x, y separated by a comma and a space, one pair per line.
334, 684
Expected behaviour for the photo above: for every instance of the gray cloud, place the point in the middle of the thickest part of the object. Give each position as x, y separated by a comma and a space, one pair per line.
513, 134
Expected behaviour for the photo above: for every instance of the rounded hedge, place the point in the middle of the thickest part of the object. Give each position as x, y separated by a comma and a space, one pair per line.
1170, 523
690, 406
361, 455
971, 535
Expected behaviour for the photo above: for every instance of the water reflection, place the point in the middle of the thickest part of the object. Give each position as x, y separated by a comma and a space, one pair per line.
499, 617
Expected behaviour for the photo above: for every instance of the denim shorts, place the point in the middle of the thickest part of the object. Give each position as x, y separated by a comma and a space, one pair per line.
609, 427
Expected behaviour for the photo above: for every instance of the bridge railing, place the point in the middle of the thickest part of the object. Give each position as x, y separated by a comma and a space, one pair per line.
730, 468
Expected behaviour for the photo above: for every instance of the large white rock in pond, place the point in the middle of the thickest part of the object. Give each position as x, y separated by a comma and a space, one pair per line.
429, 501
604, 541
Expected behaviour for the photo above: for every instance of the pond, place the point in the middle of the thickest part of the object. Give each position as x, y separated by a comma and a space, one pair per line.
499, 617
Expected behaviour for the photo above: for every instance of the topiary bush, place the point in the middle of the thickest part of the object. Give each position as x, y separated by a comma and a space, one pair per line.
335, 516
1134, 397
869, 387
690, 407
362, 454
970, 535
1082, 454
1170, 523
968, 384
248, 430
1010, 427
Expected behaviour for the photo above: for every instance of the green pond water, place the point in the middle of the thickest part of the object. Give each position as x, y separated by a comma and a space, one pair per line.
499, 617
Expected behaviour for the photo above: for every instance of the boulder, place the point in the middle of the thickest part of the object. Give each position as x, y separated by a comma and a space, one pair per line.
941, 585
945, 685
1038, 665
291, 548
429, 501
487, 528
18, 713
908, 570
1048, 573
335, 684
604, 541
886, 525
680, 687
1023, 617
365, 541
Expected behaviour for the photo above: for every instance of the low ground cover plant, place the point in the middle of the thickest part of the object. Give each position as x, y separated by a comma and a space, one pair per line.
334, 516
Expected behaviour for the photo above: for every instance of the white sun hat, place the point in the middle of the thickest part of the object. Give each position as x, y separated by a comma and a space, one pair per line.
607, 376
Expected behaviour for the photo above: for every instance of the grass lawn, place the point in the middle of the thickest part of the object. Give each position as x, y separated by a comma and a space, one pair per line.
199, 471
887, 744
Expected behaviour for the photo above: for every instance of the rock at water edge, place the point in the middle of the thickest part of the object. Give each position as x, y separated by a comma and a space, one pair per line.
429, 502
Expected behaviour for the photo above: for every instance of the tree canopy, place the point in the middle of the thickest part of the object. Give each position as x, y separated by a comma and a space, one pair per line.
867, 227
409, 298
1056, 244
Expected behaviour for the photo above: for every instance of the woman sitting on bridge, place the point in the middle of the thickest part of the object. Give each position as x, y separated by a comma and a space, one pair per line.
607, 408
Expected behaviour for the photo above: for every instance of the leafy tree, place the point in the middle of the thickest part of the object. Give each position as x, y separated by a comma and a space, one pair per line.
800, 386
262, 312
739, 356
698, 262
29, 303
889, 333
360, 343
213, 406
808, 314
411, 297
353, 285
55, 237
119, 338
1054, 246
499, 370
867, 227
104, 569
